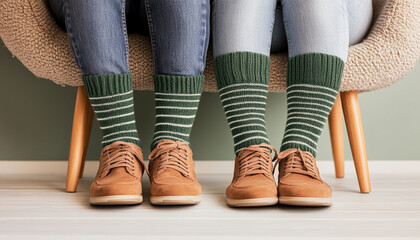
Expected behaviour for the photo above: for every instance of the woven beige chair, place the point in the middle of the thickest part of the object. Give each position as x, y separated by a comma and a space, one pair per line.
386, 55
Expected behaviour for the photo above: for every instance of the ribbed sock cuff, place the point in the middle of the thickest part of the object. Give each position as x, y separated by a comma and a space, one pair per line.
241, 67
108, 84
315, 69
179, 84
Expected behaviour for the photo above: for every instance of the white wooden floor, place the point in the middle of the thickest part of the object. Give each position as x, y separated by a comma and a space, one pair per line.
33, 205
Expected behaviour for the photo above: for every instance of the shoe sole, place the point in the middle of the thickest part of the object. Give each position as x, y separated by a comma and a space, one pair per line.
306, 201
175, 200
252, 202
116, 200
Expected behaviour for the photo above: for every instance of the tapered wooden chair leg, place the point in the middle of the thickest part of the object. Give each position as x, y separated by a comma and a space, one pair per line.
354, 126
82, 112
86, 138
335, 122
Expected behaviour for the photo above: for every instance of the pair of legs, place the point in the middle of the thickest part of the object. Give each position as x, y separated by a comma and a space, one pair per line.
179, 31
316, 34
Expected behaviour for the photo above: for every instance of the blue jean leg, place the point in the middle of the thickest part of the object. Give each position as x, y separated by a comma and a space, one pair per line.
179, 33
97, 33
242, 26
316, 26
324, 26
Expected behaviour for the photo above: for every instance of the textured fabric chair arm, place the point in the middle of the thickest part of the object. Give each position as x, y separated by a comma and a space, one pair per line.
389, 51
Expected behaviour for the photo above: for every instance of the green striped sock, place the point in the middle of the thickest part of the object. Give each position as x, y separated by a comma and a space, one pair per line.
111, 97
313, 82
242, 79
177, 99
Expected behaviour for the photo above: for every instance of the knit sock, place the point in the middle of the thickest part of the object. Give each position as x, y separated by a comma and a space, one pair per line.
177, 99
242, 79
111, 97
313, 82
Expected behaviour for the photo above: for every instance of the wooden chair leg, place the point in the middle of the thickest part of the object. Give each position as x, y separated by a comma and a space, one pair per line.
335, 122
86, 138
354, 127
81, 121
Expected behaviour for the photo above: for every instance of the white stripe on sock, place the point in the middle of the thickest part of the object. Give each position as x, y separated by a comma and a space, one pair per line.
247, 119
244, 96
311, 119
312, 86
301, 130
114, 109
112, 117
311, 103
112, 103
175, 100
241, 109
170, 132
250, 138
312, 109
179, 94
175, 116
111, 96
301, 136
250, 131
245, 114
248, 125
174, 124
171, 138
299, 142
172, 107
119, 138
241, 103
317, 99
312, 92
306, 124
243, 84
244, 90
118, 124
309, 114
120, 132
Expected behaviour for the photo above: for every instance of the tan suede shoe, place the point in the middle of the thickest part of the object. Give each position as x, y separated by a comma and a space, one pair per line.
172, 175
253, 183
118, 180
299, 181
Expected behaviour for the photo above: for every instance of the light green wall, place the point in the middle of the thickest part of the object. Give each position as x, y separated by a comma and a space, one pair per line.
36, 118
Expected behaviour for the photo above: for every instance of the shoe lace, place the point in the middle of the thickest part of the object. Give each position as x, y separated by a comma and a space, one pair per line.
171, 154
297, 161
255, 160
120, 154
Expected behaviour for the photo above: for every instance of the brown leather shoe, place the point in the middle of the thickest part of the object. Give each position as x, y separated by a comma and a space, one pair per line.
253, 183
172, 176
118, 180
299, 181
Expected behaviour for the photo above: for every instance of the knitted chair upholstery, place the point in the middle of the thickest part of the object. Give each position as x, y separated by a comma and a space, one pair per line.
389, 51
